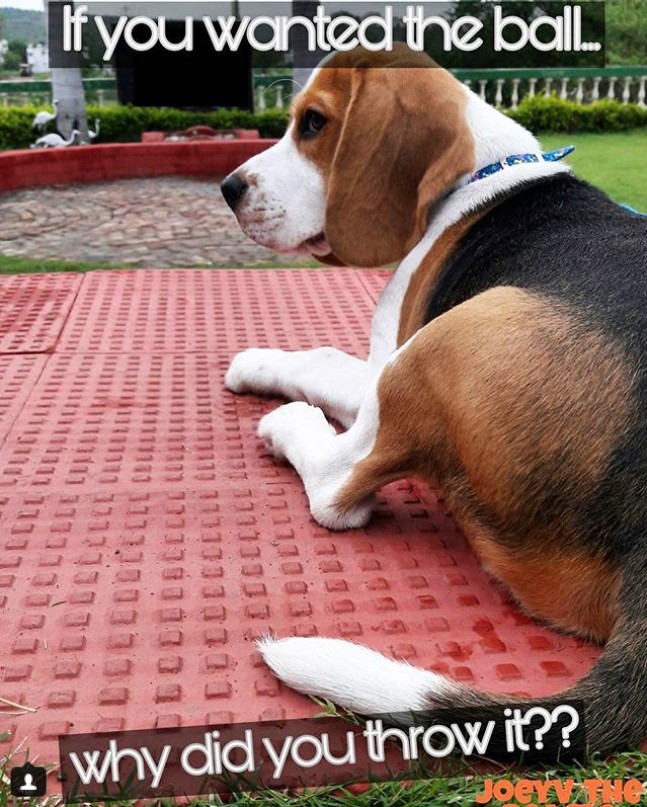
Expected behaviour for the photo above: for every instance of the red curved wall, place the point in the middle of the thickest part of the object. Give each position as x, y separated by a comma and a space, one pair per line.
61, 166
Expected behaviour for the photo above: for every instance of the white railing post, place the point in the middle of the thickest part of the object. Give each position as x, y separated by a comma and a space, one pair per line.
532, 87
626, 90
579, 94
482, 85
100, 97
279, 96
564, 91
547, 85
611, 94
5, 99
595, 92
260, 99
641, 92
515, 92
498, 96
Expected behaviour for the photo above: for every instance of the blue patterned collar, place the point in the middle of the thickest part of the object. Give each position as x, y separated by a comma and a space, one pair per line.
520, 159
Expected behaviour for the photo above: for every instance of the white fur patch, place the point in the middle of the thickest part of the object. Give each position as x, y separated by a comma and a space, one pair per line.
285, 203
324, 377
324, 460
352, 676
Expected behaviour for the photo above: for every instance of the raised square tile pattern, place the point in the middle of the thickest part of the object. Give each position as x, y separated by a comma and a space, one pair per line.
147, 539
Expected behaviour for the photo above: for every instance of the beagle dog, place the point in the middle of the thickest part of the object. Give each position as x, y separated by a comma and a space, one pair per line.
508, 366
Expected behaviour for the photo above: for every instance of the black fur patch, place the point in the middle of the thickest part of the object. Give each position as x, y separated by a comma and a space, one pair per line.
567, 241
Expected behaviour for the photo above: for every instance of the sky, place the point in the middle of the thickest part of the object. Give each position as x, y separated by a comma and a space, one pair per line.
37, 5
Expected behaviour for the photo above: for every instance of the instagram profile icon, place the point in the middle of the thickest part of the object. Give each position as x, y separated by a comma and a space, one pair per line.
28, 780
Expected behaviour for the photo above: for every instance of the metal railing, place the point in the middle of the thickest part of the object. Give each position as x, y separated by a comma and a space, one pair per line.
582, 85
507, 87
272, 91
37, 92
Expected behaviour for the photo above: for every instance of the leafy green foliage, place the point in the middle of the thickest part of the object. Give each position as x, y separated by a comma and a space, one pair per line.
626, 31
15, 127
16, 54
126, 124
541, 114
526, 10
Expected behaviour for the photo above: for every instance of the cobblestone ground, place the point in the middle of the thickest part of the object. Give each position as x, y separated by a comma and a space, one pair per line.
160, 223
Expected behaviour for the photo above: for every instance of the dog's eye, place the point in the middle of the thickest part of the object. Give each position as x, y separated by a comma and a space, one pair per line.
312, 123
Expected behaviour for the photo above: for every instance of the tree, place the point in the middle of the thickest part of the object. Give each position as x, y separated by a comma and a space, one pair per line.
15, 56
487, 57
626, 31
67, 82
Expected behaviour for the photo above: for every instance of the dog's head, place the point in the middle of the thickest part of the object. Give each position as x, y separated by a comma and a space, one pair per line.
374, 141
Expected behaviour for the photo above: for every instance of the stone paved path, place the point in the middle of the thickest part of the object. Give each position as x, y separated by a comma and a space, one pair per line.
163, 222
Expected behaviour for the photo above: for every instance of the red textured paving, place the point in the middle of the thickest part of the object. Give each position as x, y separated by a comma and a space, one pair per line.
33, 311
147, 539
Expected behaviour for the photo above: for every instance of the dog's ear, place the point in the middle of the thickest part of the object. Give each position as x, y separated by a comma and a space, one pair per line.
404, 143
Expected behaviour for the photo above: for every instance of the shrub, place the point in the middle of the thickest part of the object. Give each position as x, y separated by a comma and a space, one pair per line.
552, 114
125, 124
15, 127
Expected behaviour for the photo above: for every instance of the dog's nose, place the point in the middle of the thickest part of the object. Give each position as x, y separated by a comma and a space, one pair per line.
233, 189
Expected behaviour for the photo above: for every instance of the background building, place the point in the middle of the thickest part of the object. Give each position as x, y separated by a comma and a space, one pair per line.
38, 58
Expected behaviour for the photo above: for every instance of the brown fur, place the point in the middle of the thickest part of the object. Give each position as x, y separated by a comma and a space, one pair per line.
496, 402
390, 129
414, 305
582, 594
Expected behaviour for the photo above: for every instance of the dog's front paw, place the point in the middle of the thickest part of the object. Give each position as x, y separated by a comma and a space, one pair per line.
290, 426
253, 370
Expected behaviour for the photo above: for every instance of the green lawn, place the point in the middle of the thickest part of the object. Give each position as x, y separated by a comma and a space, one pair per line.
455, 791
615, 162
18, 266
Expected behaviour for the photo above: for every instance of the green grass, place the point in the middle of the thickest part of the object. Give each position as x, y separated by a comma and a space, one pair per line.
616, 162
17, 266
462, 784
13, 266
454, 791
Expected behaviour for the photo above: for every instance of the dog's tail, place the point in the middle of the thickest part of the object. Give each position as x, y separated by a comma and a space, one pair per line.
613, 693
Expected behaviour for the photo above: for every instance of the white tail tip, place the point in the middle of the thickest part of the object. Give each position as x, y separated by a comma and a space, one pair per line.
352, 676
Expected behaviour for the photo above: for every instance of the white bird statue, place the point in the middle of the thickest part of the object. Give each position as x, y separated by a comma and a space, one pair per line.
94, 134
53, 141
44, 117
